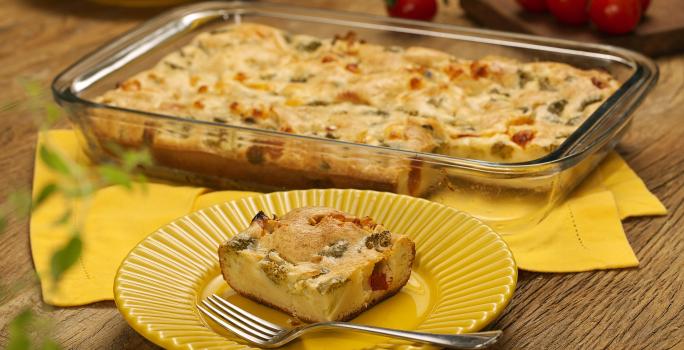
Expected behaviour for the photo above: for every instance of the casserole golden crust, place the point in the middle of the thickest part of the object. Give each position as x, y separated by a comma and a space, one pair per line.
414, 98
317, 264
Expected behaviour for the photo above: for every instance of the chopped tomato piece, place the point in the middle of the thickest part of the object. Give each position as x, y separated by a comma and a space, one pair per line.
378, 279
523, 137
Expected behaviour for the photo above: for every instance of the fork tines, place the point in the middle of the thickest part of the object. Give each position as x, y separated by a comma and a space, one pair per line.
238, 321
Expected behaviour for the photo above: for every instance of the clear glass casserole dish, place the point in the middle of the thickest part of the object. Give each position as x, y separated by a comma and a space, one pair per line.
508, 196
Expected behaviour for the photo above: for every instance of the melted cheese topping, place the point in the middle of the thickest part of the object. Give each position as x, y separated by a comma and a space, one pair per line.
316, 262
411, 98
312, 242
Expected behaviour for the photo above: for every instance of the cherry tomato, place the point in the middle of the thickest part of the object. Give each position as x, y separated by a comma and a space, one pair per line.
533, 5
569, 11
615, 16
412, 9
644, 5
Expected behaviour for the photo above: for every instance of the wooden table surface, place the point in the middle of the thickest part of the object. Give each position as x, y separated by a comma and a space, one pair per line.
618, 309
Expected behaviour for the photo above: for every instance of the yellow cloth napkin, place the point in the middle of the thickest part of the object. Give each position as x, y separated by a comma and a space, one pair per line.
582, 234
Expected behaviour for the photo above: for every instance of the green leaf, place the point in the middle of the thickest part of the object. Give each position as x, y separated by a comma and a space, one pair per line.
33, 88
133, 159
82, 189
18, 331
45, 193
64, 219
50, 344
53, 160
114, 176
22, 320
52, 114
21, 200
65, 257
141, 179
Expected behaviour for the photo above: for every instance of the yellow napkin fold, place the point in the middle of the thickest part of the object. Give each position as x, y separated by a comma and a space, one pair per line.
115, 220
584, 233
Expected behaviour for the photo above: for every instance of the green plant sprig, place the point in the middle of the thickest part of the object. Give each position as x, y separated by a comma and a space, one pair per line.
76, 184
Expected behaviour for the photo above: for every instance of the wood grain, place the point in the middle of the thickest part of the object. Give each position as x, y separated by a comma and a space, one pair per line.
620, 309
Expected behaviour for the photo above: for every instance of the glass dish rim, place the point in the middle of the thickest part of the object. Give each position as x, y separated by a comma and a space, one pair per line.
630, 93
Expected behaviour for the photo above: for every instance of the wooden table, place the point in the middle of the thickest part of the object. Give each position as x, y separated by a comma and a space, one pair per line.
621, 309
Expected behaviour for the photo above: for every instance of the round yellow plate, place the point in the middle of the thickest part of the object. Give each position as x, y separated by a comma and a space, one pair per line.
463, 275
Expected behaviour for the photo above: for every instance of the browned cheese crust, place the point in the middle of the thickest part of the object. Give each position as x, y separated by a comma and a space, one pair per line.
317, 264
416, 99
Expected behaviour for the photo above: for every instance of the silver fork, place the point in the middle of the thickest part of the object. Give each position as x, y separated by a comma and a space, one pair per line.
268, 335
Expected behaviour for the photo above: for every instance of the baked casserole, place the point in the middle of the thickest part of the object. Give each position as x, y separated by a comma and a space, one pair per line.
343, 88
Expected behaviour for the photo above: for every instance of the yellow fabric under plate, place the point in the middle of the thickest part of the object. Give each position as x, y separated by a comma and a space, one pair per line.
582, 234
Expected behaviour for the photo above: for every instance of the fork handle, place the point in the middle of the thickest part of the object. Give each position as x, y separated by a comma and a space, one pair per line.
478, 340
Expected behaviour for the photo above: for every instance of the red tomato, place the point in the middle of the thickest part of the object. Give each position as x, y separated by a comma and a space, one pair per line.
412, 9
533, 5
569, 11
644, 5
615, 16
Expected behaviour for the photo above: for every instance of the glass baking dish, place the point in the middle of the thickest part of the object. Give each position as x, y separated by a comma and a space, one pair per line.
508, 196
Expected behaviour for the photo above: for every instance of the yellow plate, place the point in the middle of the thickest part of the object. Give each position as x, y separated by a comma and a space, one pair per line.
463, 276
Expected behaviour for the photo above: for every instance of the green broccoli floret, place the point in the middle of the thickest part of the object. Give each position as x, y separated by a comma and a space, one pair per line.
378, 240
336, 249
331, 284
275, 270
241, 241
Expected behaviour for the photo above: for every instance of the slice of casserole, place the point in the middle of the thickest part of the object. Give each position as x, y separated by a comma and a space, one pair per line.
317, 264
